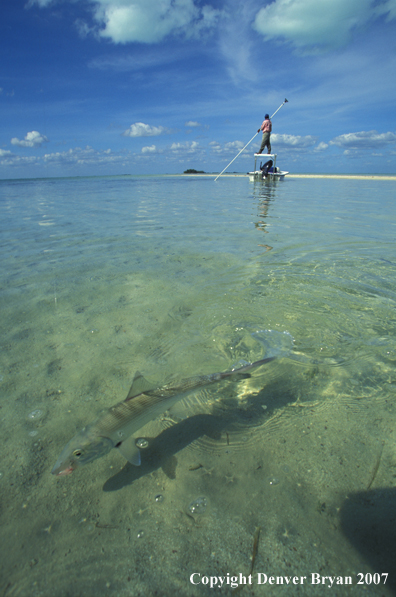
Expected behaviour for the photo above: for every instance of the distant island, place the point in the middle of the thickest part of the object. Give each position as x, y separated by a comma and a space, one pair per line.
192, 171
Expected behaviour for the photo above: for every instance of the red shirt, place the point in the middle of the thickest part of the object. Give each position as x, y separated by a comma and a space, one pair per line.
266, 127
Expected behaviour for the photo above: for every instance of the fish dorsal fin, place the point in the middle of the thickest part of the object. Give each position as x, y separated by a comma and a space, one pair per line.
139, 386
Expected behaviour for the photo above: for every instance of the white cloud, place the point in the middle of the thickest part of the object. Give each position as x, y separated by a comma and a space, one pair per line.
321, 146
236, 42
174, 151
145, 21
295, 141
229, 149
388, 8
150, 149
234, 145
319, 24
364, 139
192, 124
189, 147
278, 142
10, 159
85, 156
70, 158
137, 60
150, 21
41, 3
32, 139
139, 129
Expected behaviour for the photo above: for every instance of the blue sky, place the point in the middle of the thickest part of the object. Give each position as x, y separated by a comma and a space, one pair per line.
138, 86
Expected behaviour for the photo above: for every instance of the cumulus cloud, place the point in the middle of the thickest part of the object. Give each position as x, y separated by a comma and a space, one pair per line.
364, 140
84, 156
189, 147
78, 156
150, 21
278, 141
295, 141
175, 150
32, 139
192, 124
229, 149
139, 129
325, 24
9, 159
321, 146
145, 21
150, 149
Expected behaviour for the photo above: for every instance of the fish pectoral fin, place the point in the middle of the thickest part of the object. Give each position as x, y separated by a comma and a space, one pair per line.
139, 386
130, 451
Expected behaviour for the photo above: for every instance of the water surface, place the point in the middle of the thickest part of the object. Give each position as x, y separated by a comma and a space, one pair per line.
171, 276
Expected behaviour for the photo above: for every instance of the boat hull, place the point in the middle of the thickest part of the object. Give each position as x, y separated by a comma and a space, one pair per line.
271, 176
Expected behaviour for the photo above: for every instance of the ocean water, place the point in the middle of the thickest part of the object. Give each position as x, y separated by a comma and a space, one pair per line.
291, 472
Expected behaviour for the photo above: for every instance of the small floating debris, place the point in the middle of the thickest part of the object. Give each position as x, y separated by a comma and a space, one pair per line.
376, 467
33, 433
35, 414
195, 467
140, 534
141, 443
273, 481
198, 506
256, 538
159, 498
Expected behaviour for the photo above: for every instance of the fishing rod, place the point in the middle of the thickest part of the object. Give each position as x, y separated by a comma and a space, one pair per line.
248, 143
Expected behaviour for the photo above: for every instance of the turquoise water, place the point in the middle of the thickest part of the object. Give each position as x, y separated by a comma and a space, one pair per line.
171, 276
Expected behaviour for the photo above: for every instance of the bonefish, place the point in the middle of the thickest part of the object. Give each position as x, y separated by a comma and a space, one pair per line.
115, 427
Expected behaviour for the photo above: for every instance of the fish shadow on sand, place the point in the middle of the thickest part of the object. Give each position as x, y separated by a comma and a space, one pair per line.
368, 520
161, 450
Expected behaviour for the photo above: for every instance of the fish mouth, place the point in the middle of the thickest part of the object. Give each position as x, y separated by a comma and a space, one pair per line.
65, 471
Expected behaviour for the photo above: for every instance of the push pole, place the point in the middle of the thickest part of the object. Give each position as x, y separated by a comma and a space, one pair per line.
248, 143
285, 102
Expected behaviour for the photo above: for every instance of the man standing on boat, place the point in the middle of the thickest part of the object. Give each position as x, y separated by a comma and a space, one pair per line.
266, 127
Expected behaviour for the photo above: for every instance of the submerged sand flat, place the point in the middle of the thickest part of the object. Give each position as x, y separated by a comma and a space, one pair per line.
335, 176
346, 176
172, 277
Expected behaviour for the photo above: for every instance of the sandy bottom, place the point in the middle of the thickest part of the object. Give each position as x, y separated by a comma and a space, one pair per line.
120, 276
296, 451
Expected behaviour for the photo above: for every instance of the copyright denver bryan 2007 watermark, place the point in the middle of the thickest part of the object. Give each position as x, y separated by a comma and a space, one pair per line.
260, 578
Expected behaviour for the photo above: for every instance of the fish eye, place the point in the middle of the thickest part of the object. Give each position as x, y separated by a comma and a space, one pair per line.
77, 453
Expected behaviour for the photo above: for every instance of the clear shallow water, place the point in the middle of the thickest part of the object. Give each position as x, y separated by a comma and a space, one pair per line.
170, 276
